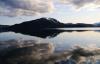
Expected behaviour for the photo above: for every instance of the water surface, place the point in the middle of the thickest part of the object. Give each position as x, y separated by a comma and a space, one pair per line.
63, 39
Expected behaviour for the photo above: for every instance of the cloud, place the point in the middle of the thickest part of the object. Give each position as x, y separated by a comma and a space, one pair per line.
83, 3
25, 7
37, 7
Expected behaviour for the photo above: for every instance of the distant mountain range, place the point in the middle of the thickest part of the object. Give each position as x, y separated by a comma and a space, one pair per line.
44, 23
97, 24
4, 28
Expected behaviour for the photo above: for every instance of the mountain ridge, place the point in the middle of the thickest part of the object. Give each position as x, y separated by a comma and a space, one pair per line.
44, 23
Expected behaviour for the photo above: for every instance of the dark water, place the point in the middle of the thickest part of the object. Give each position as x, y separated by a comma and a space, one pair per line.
56, 46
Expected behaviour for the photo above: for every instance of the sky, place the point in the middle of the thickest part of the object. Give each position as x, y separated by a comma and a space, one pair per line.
66, 11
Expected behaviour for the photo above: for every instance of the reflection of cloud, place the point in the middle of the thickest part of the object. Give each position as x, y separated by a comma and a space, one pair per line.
33, 54
20, 43
87, 51
25, 7
81, 55
29, 54
28, 51
17, 43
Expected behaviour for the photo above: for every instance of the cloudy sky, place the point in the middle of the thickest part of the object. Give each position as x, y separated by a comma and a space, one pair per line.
66, 11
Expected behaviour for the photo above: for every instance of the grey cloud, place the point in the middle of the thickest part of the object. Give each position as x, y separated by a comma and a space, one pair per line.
25, 7
82, 3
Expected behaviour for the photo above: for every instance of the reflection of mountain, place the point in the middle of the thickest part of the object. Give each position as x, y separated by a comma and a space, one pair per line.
97, 30
43, 33
48, 32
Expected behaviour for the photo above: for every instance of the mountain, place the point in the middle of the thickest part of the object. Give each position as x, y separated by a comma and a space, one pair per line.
43, 23
37, 24
3, 28
97, 24
78, 25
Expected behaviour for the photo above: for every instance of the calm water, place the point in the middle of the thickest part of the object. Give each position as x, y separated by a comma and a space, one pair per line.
62, 39
67, 38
